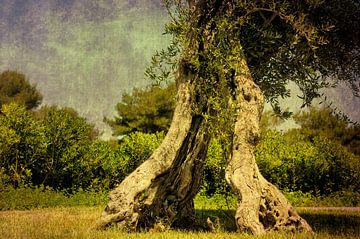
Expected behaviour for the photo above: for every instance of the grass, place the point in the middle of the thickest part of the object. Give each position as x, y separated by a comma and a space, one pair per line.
25, 198
334, 222
44, 213
78, 222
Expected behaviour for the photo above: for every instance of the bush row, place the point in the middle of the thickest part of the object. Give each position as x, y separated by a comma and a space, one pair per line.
58, 149
318, 167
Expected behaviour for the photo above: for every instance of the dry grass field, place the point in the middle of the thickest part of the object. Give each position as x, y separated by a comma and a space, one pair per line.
78, 222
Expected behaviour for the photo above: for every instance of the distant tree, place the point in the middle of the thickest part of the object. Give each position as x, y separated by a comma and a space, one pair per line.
327, 123
69, 137
146, 110
14, 87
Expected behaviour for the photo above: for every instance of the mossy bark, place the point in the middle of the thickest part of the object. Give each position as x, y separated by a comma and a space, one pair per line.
163, 187
261, 206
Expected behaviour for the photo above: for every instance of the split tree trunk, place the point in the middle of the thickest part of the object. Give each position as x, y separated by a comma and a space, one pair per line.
261, 206
163, 187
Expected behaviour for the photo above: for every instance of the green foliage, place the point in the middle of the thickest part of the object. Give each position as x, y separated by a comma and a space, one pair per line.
23, 143
295, 164
108, 163
103, 166
300, 199
326, 123
339, 199
214, 171
14, 87
280, 41
69, 137
137, 147
48, 148
149, 110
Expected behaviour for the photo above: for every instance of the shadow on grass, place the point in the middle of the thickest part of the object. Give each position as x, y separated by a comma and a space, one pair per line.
222, 220
334, 223
330, 222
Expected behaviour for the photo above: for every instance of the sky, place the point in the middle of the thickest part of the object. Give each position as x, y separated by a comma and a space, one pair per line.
81, 53
85, 53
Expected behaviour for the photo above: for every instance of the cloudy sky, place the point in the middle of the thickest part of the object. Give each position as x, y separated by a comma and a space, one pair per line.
81, 53
85, 53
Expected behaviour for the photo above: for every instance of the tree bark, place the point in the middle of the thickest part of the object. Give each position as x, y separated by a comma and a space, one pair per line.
261, 206
161, 190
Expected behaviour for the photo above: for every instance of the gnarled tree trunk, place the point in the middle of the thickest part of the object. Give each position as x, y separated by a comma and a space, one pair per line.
261, 206
163, 187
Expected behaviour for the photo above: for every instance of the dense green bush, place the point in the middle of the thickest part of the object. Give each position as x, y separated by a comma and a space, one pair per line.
68, 139
214, 171
22, 144
113, 162
320, 167
137, 147
47, 147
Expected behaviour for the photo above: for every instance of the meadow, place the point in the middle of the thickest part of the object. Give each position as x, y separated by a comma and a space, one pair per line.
78, 221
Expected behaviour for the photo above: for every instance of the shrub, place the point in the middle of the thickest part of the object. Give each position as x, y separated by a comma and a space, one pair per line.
108, 163
22, 144
320, 167
138, 147
69, 137
214, 171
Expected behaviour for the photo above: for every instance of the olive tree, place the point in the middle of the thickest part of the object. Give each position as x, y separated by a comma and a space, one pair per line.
232, 56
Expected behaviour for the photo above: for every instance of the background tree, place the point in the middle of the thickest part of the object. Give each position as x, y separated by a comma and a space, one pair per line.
46, 147
22, 143
319, 166
233, 54
69, 137
147, 110
327, 123
14, 87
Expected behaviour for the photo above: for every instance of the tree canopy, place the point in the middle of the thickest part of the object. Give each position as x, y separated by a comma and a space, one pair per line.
14, 87
327, 123
147, 110
314, 43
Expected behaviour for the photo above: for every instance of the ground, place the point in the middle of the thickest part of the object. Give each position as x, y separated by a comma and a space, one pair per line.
78, 222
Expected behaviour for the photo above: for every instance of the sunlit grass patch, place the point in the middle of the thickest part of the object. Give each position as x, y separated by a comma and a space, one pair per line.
78, 222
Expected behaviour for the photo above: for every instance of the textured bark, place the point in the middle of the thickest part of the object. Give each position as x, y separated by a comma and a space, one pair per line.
261, 206
163, 187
